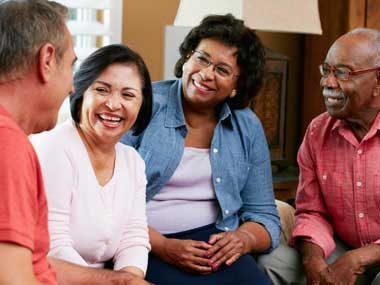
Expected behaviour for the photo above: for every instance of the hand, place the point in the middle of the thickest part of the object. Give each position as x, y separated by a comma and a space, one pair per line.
313, 268
344, 271
127, 278
227, 247
189, 255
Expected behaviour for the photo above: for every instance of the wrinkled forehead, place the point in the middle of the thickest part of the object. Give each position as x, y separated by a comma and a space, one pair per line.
355, 51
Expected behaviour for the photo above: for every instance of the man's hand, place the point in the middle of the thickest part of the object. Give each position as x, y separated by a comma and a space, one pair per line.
344, 271
227, 247
313, 268
189, 255
126, 278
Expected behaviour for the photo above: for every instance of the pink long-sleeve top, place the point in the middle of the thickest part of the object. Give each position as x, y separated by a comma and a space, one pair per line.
339, 188
88, 223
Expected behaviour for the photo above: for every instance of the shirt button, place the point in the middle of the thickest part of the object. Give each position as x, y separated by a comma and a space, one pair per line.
324, 177
218, 180
359, 184
360, 151
360, 215
227, 212
215, 150
226, 228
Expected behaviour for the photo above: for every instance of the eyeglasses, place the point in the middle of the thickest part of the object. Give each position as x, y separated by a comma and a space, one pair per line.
221, 70
343, 73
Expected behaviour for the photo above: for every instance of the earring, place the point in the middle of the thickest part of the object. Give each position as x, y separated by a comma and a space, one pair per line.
233, 93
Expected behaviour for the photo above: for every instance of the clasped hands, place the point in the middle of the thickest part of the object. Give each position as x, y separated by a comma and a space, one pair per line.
206, 257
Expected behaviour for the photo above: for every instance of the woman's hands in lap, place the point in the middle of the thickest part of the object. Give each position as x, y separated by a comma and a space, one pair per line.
189, 255
227, 247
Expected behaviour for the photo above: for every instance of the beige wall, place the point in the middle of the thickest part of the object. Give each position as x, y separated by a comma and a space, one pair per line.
143, 29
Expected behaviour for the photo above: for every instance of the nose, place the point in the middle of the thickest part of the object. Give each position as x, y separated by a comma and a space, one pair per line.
113, 102
207, 72
329, 81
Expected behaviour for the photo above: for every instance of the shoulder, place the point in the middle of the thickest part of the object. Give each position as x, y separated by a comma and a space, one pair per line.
247, 121
14, 144
129, 154
324, 123
161, 90
162, 87
52, 142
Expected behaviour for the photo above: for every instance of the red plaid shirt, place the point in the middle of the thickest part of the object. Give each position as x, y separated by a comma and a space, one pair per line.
339, 188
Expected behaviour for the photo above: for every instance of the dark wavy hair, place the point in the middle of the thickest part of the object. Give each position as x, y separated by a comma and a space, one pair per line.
96, 63
250, 53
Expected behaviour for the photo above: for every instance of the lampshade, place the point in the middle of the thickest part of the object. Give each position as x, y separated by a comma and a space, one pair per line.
296, 16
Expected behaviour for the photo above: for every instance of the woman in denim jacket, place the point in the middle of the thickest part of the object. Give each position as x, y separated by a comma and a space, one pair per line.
210, 197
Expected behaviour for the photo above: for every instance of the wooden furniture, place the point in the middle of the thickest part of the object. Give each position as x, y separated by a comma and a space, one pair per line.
269, 104
285, 182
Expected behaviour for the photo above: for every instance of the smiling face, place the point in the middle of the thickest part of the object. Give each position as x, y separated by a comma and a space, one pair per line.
111, 104
202, 88
351, 99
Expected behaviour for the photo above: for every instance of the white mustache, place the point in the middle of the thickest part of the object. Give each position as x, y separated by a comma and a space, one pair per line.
326, 92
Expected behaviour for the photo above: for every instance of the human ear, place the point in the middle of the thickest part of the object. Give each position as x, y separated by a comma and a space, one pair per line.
233, 93
46, 62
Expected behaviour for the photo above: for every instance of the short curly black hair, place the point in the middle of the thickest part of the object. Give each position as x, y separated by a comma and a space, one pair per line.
96, 63
250, 53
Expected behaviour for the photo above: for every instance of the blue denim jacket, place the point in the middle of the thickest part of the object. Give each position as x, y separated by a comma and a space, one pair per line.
240, 163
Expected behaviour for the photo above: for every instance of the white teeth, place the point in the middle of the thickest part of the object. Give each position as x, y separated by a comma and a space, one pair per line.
333, 100
109, 118
200, 86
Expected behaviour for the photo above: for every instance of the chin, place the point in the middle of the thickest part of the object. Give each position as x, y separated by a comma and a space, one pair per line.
50, 124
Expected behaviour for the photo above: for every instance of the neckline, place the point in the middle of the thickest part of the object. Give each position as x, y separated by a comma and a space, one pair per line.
89, 164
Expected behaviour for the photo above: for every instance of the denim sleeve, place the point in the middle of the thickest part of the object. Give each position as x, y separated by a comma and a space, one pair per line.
130, 139
258, 197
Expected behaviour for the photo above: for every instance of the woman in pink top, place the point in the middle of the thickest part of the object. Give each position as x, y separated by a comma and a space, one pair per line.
96, 186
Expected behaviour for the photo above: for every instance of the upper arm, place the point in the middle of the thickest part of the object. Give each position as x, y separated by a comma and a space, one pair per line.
16, 267
59, 176
257, 195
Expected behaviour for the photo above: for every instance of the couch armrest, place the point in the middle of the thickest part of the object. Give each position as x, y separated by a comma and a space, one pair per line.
287, 217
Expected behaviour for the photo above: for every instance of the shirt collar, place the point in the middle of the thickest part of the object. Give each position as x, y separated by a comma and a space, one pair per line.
342, 124
174, 114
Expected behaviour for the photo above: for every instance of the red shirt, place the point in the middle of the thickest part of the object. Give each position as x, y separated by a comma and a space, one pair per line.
339, 188
23, 207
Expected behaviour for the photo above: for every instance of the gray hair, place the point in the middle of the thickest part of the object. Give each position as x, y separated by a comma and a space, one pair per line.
25, 26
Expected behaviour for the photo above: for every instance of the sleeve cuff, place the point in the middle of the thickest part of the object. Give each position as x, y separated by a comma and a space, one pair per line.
136, 256
325, 241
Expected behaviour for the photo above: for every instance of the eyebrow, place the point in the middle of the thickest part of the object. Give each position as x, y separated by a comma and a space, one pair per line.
220, 63
110, 86
341, 65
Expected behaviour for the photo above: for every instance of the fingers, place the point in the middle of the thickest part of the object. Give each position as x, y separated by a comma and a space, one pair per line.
227, 251
200, 269
201, 245
227, 248
233, 259
215, 237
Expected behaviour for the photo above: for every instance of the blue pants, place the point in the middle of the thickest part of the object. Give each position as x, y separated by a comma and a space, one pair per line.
244, 271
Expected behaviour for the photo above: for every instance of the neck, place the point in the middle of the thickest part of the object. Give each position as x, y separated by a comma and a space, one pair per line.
361, 126
93, 145
196, 117
15, 98
102, 156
